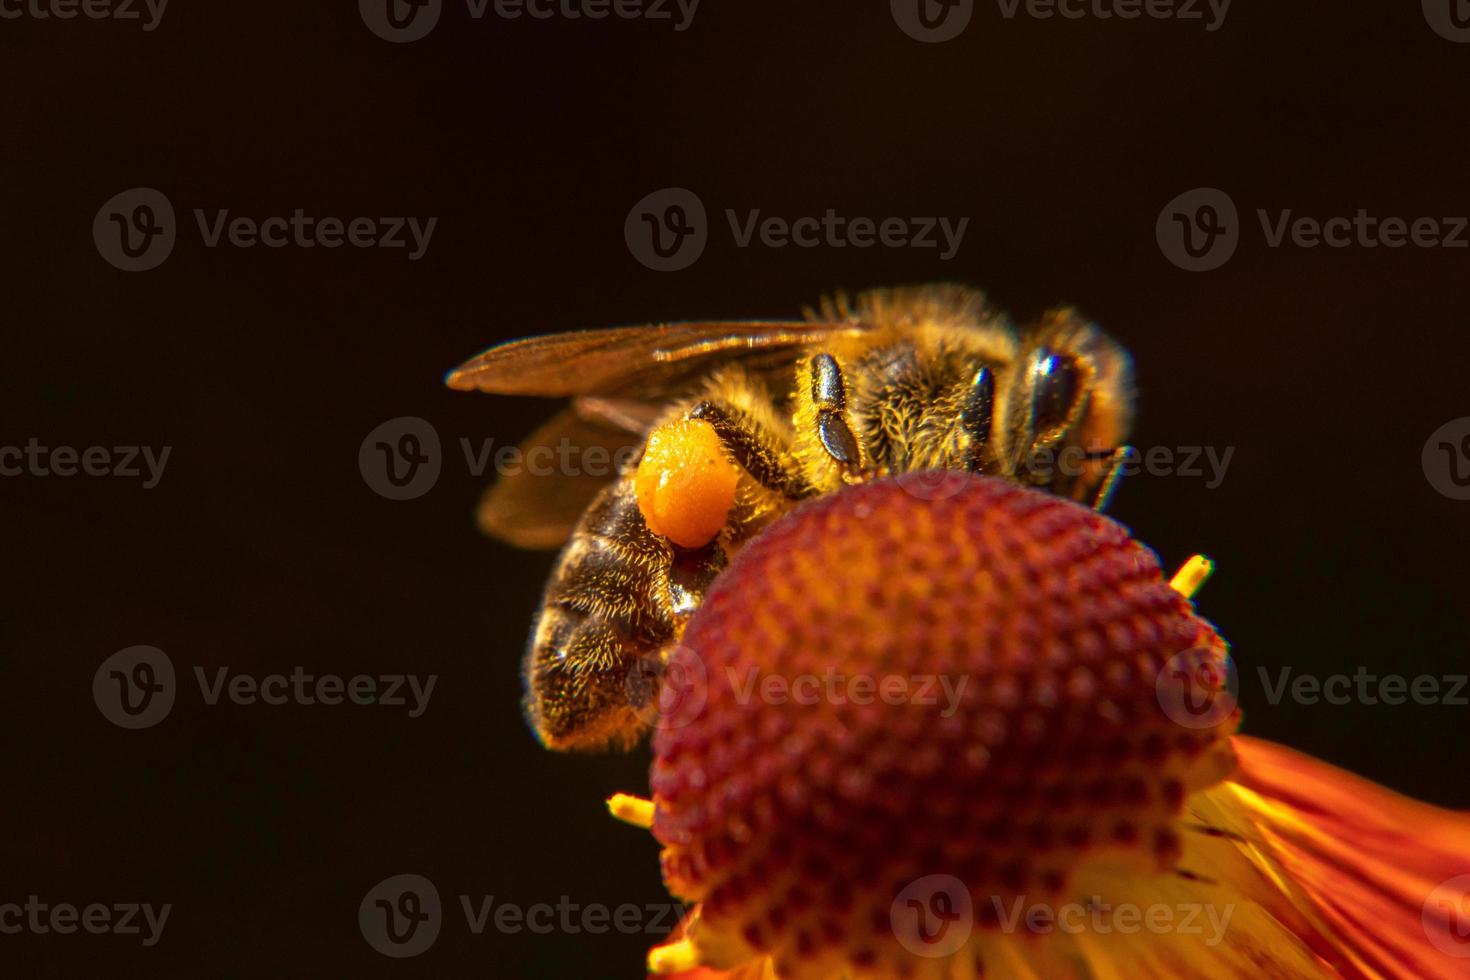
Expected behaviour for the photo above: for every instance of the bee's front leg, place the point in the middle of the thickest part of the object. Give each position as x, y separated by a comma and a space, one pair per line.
829, 399
1114, 472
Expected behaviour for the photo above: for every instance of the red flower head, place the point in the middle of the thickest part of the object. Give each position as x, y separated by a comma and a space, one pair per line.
941, 726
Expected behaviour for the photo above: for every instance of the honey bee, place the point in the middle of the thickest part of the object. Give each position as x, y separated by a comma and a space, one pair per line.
736, 423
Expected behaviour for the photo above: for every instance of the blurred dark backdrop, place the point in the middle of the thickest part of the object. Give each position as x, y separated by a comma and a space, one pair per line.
262, 548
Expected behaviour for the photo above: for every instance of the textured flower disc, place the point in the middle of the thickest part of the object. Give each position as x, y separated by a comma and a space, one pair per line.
919, 681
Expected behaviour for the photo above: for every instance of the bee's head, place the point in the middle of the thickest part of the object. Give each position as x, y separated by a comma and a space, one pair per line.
1067, 408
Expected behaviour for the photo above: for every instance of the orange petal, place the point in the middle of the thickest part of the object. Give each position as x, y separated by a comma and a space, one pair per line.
1387, 877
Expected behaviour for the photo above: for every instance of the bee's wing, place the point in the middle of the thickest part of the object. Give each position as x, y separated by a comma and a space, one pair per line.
629, 414
561, 467
644, 360
617, 379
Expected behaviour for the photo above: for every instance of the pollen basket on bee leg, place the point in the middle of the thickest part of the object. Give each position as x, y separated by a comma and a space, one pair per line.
685, 484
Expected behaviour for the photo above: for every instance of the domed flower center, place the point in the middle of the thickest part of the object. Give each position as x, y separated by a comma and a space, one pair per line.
912, 705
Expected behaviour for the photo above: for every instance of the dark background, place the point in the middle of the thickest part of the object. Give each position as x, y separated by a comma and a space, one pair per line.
263, 548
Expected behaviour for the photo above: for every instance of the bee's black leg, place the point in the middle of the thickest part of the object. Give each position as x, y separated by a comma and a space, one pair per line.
829, 395
977, 416
1109, 483
754, 449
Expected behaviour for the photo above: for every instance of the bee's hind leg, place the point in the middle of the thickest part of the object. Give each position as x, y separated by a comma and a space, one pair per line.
719, 467
758, 451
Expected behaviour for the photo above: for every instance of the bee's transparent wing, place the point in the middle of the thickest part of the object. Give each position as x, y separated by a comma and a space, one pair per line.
629, 414
619, 380
541, 492
642, 361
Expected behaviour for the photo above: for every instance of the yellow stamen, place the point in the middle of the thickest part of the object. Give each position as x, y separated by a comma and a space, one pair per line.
631, 809
1191, 575
674, 958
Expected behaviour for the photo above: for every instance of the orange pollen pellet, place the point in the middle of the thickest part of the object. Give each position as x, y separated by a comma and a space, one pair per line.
685, 484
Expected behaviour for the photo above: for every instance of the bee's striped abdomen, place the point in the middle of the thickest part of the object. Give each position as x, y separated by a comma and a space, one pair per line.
606, 609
